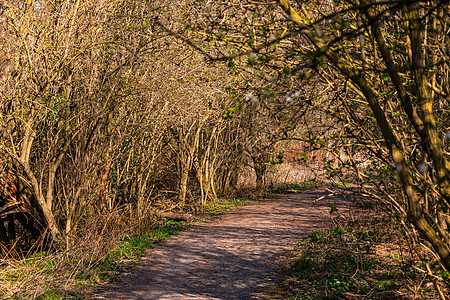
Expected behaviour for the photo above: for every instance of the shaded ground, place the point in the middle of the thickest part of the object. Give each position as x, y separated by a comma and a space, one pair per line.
233, 257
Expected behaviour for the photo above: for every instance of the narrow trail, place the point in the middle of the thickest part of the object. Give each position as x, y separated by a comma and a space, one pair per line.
233, 257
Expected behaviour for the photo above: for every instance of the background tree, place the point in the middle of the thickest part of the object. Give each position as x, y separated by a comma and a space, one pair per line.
67, 66
101, 109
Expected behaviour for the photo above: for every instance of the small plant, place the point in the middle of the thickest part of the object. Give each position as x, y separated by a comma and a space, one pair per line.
338, 231
303, 264
333, 208
315, 237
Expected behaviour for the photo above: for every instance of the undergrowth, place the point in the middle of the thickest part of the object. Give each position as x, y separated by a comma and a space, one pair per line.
361, 258
63, 274
99, 255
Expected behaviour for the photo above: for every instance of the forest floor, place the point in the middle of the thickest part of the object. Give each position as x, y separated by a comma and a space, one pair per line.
235, 256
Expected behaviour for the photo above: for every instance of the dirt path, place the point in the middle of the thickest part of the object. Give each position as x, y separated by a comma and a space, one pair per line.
230, 258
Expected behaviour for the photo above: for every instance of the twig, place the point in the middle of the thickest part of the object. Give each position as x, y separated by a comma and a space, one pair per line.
436, 286
323, 197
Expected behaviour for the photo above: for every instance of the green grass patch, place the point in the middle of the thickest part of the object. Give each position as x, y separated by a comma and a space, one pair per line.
134, 246
296, 187
224, 205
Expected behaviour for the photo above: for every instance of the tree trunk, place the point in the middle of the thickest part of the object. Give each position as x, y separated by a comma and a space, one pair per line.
260, 169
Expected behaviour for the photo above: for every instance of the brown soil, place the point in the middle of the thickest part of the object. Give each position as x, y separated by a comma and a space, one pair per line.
233, 257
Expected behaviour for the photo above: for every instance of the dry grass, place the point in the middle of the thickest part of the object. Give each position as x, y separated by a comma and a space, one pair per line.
63, 272
47, 275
